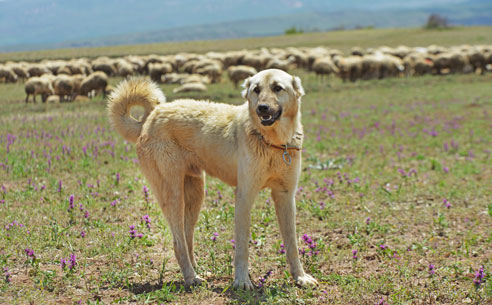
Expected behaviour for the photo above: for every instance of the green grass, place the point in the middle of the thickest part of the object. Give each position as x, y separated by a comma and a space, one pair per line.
362, 141
343, 40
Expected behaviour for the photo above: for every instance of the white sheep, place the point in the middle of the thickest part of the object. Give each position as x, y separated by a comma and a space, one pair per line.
38, 85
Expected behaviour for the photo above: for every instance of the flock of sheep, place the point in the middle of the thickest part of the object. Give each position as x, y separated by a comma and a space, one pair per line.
67, 80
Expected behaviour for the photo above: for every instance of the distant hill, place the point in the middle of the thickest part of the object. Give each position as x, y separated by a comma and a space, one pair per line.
62, 24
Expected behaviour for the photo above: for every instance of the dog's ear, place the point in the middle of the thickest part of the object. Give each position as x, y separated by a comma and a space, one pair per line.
245, 85
296, 84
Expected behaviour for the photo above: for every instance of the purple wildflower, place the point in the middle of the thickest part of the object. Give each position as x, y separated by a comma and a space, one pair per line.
479, 277
133, 232
60, 185
368, 220
70, 203
264, 278
7, 274
311, 246
307, 239
233, 243
354, 254
146, 193
82, 234
146, 219
117, 178
63, 263
73, 261
447, 204
402, 172
114, 202
432, 269
383, 247
214, 237
412, 171
29, 252
282, 249
381, 302
139, 235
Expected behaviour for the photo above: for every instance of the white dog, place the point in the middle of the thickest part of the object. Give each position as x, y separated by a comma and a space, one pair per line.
253, 146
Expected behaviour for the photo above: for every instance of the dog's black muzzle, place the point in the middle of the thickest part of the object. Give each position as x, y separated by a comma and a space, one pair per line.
267, 114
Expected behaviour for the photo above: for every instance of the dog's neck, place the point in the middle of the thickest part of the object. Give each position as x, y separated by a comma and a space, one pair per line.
284, 132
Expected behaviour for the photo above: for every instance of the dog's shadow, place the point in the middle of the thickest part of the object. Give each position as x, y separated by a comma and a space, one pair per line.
177, 287
142, 288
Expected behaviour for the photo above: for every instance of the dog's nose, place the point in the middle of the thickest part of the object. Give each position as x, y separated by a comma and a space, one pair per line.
263, 108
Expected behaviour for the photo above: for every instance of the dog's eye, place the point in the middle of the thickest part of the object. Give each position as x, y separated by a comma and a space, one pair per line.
257, 90
277, 88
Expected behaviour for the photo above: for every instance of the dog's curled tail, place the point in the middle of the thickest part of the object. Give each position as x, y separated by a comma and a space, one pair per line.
129, 93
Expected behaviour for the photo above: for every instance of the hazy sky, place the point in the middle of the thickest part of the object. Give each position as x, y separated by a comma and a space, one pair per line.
43, 21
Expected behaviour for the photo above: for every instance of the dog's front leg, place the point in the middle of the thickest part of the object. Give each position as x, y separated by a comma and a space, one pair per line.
285, 208
245, 196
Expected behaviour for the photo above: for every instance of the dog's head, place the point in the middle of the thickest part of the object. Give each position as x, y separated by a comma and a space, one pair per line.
272, 94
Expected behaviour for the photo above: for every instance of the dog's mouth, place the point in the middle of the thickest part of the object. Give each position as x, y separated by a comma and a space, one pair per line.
269, 119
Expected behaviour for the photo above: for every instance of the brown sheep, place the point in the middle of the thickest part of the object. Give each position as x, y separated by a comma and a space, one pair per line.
213, 71
95, 82
63, 70
477, 60
64, 87
137, 62
391, 66
281, 64
256, 61
418, 64
7, 75
357, 51
350, 68
38, 85
240, 73
232, 58
124, 68
190, 87
76, 68
53, 99
20, 70
174, 78
324, 66
104, 64
38, 70
194, 78
298, 57
156, 70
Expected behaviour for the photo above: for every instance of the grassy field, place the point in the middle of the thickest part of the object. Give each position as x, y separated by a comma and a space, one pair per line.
398, 170
343, 40
395, 191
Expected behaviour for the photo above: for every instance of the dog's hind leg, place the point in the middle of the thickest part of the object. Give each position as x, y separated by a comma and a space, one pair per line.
194, 193
167, 183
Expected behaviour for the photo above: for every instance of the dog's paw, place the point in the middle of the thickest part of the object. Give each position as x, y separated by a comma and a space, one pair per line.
197, 281
306, 280
244, 284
